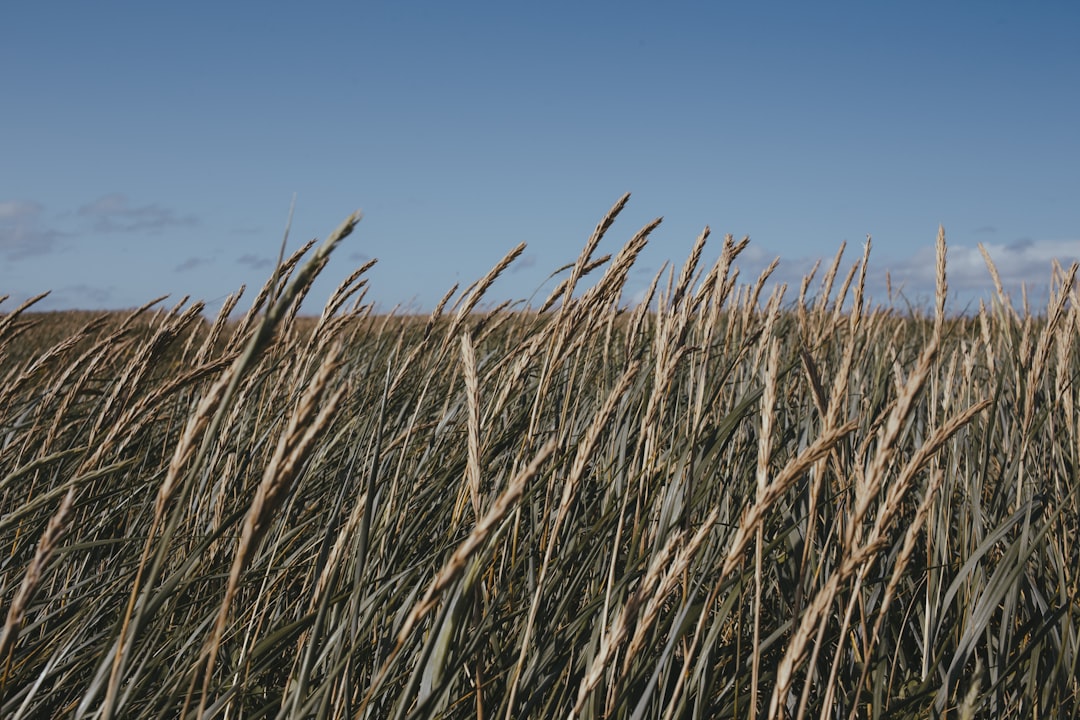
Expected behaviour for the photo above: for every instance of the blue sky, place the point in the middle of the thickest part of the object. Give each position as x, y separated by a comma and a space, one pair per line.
151, 148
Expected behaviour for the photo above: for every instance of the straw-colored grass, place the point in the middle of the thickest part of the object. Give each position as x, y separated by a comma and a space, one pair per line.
723, 501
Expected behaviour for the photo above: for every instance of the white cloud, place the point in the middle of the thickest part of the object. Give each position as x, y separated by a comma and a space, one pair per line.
1025, 261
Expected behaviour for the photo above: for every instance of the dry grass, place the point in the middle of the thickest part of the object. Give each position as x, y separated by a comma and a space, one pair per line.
719, 502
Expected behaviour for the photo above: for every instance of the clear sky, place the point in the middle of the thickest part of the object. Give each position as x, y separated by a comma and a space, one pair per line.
151, 148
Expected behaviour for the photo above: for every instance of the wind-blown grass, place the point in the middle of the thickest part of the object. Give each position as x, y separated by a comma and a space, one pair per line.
708, 504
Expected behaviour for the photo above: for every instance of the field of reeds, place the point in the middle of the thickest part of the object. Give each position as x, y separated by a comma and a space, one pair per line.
725, 501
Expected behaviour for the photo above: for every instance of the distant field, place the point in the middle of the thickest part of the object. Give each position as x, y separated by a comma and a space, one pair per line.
713, 504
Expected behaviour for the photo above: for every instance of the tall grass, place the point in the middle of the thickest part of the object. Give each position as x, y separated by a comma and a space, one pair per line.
713, 503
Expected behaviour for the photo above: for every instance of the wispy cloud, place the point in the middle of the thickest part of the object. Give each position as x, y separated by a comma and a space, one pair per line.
22, 231
17, 209
113, 213
523, 263
190, 264
81, 295
643, 271
87, 294
256, 262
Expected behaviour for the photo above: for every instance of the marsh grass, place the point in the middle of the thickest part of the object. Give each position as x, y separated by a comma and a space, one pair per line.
719, 502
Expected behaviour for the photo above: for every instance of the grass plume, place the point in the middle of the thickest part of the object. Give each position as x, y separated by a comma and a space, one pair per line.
714, 500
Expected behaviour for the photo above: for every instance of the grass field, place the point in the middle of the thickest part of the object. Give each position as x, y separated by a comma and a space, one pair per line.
718, 503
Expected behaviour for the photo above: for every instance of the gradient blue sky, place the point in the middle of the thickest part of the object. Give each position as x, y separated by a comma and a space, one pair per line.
151, 148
